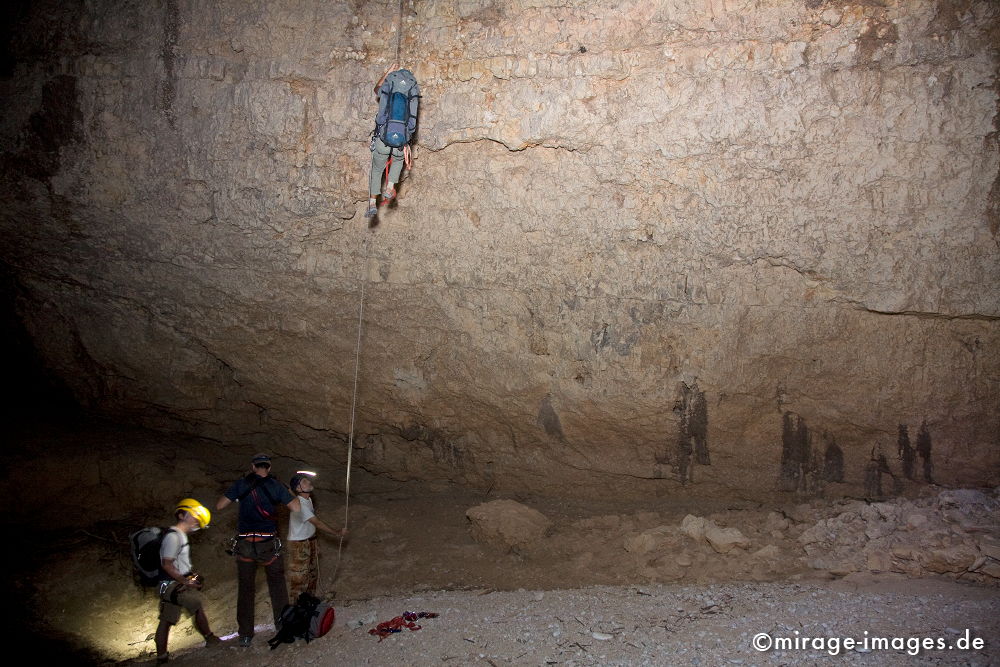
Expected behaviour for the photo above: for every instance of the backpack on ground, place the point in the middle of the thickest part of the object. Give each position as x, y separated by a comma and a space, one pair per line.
398, 103
145, 544
309, 618
322, 620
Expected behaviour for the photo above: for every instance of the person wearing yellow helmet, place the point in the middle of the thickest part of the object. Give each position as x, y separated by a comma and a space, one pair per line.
180, 587
198, 512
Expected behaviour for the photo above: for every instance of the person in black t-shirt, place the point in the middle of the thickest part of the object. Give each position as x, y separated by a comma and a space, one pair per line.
258, 495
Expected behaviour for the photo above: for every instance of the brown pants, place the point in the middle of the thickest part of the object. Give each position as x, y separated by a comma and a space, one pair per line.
303, 567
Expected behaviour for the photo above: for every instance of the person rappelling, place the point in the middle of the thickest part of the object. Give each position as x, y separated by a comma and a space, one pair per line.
398, 98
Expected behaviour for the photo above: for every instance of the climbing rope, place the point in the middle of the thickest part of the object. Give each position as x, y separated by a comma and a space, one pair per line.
399, 30
357, 347
354, 405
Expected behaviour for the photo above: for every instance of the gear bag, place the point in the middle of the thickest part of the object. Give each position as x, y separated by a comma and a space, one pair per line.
398, 103
145, 544
308, 619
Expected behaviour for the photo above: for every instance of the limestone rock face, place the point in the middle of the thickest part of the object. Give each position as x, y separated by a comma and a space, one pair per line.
507, 525
646, 247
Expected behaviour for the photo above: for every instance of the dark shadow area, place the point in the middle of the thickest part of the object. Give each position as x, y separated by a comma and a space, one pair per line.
31, 391
29, 624
33, 396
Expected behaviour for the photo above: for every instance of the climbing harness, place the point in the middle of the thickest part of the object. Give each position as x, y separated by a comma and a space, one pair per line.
263, 548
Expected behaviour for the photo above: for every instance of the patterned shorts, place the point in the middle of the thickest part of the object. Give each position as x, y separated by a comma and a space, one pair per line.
302, 566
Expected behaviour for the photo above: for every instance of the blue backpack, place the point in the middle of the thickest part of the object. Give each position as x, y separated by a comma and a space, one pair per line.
398, 102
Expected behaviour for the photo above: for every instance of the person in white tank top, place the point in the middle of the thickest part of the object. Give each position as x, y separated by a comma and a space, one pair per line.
302, 565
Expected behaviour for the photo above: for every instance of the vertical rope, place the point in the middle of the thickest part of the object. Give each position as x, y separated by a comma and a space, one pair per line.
399, 30
357, 348
354, 405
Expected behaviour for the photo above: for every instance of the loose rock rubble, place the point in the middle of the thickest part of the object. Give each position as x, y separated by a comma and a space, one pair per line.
955, 533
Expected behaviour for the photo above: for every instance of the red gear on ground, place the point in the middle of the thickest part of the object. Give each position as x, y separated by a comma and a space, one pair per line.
407, 620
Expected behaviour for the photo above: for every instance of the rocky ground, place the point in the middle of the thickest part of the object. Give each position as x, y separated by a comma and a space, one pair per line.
515, 580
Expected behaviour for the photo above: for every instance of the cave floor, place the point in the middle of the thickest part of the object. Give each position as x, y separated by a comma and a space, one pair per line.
578, 597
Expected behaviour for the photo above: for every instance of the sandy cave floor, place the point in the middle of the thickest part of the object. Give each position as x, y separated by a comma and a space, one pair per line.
577, 598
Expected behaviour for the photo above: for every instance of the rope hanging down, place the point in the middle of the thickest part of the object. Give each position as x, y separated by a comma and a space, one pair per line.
357, 351
399, 30
354, 405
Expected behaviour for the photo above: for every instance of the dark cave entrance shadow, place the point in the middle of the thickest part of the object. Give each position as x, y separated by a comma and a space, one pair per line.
26, 621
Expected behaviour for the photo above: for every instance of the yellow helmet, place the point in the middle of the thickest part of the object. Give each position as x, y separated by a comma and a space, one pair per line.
195, 509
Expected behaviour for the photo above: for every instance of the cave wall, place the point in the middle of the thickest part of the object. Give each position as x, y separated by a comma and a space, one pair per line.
647, 247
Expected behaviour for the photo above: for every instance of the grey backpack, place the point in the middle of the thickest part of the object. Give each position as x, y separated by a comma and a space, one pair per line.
398, 103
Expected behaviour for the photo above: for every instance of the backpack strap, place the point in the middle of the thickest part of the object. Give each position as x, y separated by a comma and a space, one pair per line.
383, 105
163, 576
253, 485
413, 107
256, 482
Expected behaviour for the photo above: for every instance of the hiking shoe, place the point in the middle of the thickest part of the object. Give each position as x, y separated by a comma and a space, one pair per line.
160, 659
245, 641
388, 196
212, 641
370, 213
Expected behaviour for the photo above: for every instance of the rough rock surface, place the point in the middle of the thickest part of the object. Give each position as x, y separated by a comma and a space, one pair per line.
728, 244
507, 525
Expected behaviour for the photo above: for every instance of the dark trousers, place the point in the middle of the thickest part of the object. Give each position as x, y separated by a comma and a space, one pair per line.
247, 592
